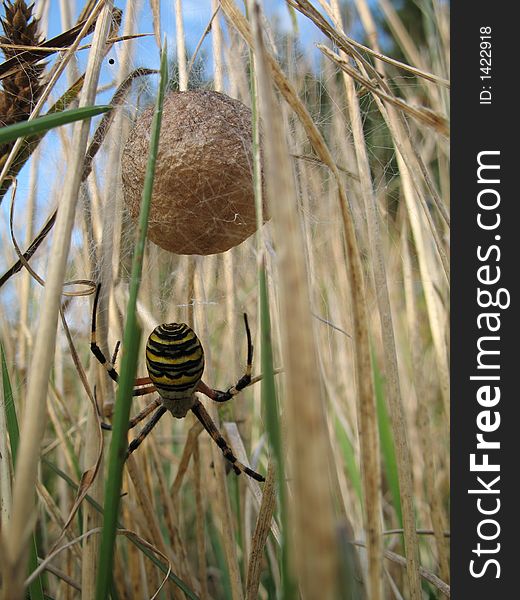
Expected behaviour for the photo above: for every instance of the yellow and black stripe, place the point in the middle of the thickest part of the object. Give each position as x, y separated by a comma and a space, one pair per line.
175, 360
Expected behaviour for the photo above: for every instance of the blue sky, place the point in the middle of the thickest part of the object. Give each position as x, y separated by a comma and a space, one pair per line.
196, 17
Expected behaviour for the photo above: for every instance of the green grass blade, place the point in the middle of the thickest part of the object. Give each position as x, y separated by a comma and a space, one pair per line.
131, 339
220, 558
272, 414
387, 440
10, 411
148, 553
42, 124
269, 399
349, 458
268, 386
36, 587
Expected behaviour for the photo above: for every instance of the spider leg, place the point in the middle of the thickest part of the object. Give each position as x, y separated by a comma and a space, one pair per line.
150, 407
203, 416
143, 391
135, 443
116, 350
109, 365
96, 350
244, 381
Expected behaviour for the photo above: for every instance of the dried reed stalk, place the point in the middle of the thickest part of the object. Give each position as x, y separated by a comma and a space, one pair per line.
366, 402
262, 528
34, 418
225, 285
181, 47
200, 537
22, 88
313, 540
105, 262
222, 501
393, 386
424, 415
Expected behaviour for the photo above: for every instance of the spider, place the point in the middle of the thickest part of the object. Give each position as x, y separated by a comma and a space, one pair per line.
175, 363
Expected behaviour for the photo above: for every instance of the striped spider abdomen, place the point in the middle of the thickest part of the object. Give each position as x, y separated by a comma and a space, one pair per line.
175, 363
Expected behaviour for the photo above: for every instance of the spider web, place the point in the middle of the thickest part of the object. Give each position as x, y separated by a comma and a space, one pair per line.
103, 240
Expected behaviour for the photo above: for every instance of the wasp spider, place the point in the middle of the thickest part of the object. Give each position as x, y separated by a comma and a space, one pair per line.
175, 362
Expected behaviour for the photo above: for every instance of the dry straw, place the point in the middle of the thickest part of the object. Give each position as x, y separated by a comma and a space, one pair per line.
313, 541
387, 327
346, 292
33, 424
368, 425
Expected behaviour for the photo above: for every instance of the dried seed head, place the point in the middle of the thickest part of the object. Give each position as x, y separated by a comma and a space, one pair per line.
20, 90
203, 200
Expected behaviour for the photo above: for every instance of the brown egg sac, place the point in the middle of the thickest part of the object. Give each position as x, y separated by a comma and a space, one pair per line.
203, 199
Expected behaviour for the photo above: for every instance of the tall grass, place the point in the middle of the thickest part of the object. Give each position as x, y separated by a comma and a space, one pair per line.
346, 289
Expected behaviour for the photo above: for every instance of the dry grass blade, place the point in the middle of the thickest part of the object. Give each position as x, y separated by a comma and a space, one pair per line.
52, 50
127, 533
189, 449
313, 159
262, 528
237, 445
95, 144
366, 402
345, 285
155, 7
442, 586
398, 29
89, 285
424, 115
181, 47
200, 42
62, 576
393, 384
35, 415
313, 549
347, 44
